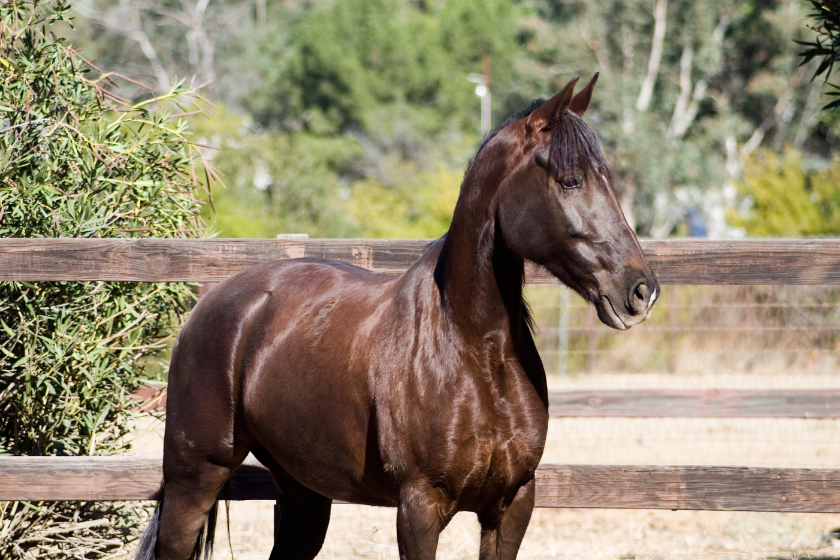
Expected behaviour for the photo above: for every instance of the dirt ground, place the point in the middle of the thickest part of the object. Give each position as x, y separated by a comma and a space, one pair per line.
365, 532
369, 533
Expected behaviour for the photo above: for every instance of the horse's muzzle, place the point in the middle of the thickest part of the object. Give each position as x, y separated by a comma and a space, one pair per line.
636, 307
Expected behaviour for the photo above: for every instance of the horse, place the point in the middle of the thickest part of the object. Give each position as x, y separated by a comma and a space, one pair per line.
422, 391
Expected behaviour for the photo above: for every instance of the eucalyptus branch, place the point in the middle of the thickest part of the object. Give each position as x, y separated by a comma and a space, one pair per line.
660, 13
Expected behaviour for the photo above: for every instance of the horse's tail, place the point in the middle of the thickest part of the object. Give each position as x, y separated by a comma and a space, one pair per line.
203, 545
148, 542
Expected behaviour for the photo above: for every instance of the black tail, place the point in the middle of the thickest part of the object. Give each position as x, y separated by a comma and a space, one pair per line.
203, 545
146, 550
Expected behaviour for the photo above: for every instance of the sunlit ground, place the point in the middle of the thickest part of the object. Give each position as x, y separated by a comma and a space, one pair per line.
366, 532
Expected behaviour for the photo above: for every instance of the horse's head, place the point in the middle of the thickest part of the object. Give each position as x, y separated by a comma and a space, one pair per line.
557, 207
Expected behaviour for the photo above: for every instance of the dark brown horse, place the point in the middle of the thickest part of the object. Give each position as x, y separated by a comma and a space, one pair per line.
422, 391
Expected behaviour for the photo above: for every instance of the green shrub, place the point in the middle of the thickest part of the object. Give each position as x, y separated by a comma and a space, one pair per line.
786, 199
76, 160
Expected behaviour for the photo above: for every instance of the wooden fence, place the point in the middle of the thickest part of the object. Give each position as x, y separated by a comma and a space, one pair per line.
693, 262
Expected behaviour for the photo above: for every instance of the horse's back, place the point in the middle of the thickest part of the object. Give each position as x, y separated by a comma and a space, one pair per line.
301, 303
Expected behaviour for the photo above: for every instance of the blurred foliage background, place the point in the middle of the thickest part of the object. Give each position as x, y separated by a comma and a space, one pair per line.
355, 118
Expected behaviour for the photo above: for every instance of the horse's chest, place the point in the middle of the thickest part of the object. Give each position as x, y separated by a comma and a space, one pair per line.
498, 452
475, 430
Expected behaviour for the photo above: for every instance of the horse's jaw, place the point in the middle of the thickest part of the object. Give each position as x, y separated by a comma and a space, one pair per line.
608, 315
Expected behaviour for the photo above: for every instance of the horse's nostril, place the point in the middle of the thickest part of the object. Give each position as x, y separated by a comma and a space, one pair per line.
640, 295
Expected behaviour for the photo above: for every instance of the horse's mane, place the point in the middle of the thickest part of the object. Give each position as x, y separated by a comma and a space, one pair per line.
573, 144
533, 106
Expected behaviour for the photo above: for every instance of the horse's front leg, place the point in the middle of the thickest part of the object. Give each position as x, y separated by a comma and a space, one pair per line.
502, 531
422, 514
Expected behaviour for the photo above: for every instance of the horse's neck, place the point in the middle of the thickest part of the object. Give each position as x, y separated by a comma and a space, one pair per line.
481, 283
481, 279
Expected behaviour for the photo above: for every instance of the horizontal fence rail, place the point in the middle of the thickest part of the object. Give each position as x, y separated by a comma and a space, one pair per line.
676, 261
558, 486
708, 403
684, 261
657, 403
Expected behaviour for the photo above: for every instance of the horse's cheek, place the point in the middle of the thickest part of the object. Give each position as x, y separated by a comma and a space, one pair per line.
524, 227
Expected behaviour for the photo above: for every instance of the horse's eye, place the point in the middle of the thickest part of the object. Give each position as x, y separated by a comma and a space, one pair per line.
571, 182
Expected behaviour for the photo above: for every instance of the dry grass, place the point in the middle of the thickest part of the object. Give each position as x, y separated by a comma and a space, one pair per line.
695, 330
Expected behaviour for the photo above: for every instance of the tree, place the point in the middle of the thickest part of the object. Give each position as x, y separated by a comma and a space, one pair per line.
79, 161
780, 199
273, 183
688, 91
158, 42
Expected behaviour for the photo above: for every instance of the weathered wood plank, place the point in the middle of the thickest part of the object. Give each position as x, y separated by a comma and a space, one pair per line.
568, 486
657, 403
676, 261
709, 403
745, 261
110, 478
199, 260
80, 478
689, 487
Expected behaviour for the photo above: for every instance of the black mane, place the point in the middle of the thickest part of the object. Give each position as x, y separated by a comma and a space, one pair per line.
533, 106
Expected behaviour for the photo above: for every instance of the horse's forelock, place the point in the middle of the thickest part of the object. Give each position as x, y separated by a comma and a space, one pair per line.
575, 148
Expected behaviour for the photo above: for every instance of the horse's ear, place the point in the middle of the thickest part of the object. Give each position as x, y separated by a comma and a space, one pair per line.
580, 102
550, 111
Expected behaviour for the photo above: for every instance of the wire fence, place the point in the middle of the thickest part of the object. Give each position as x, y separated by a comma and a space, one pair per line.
695, 330
698, 337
